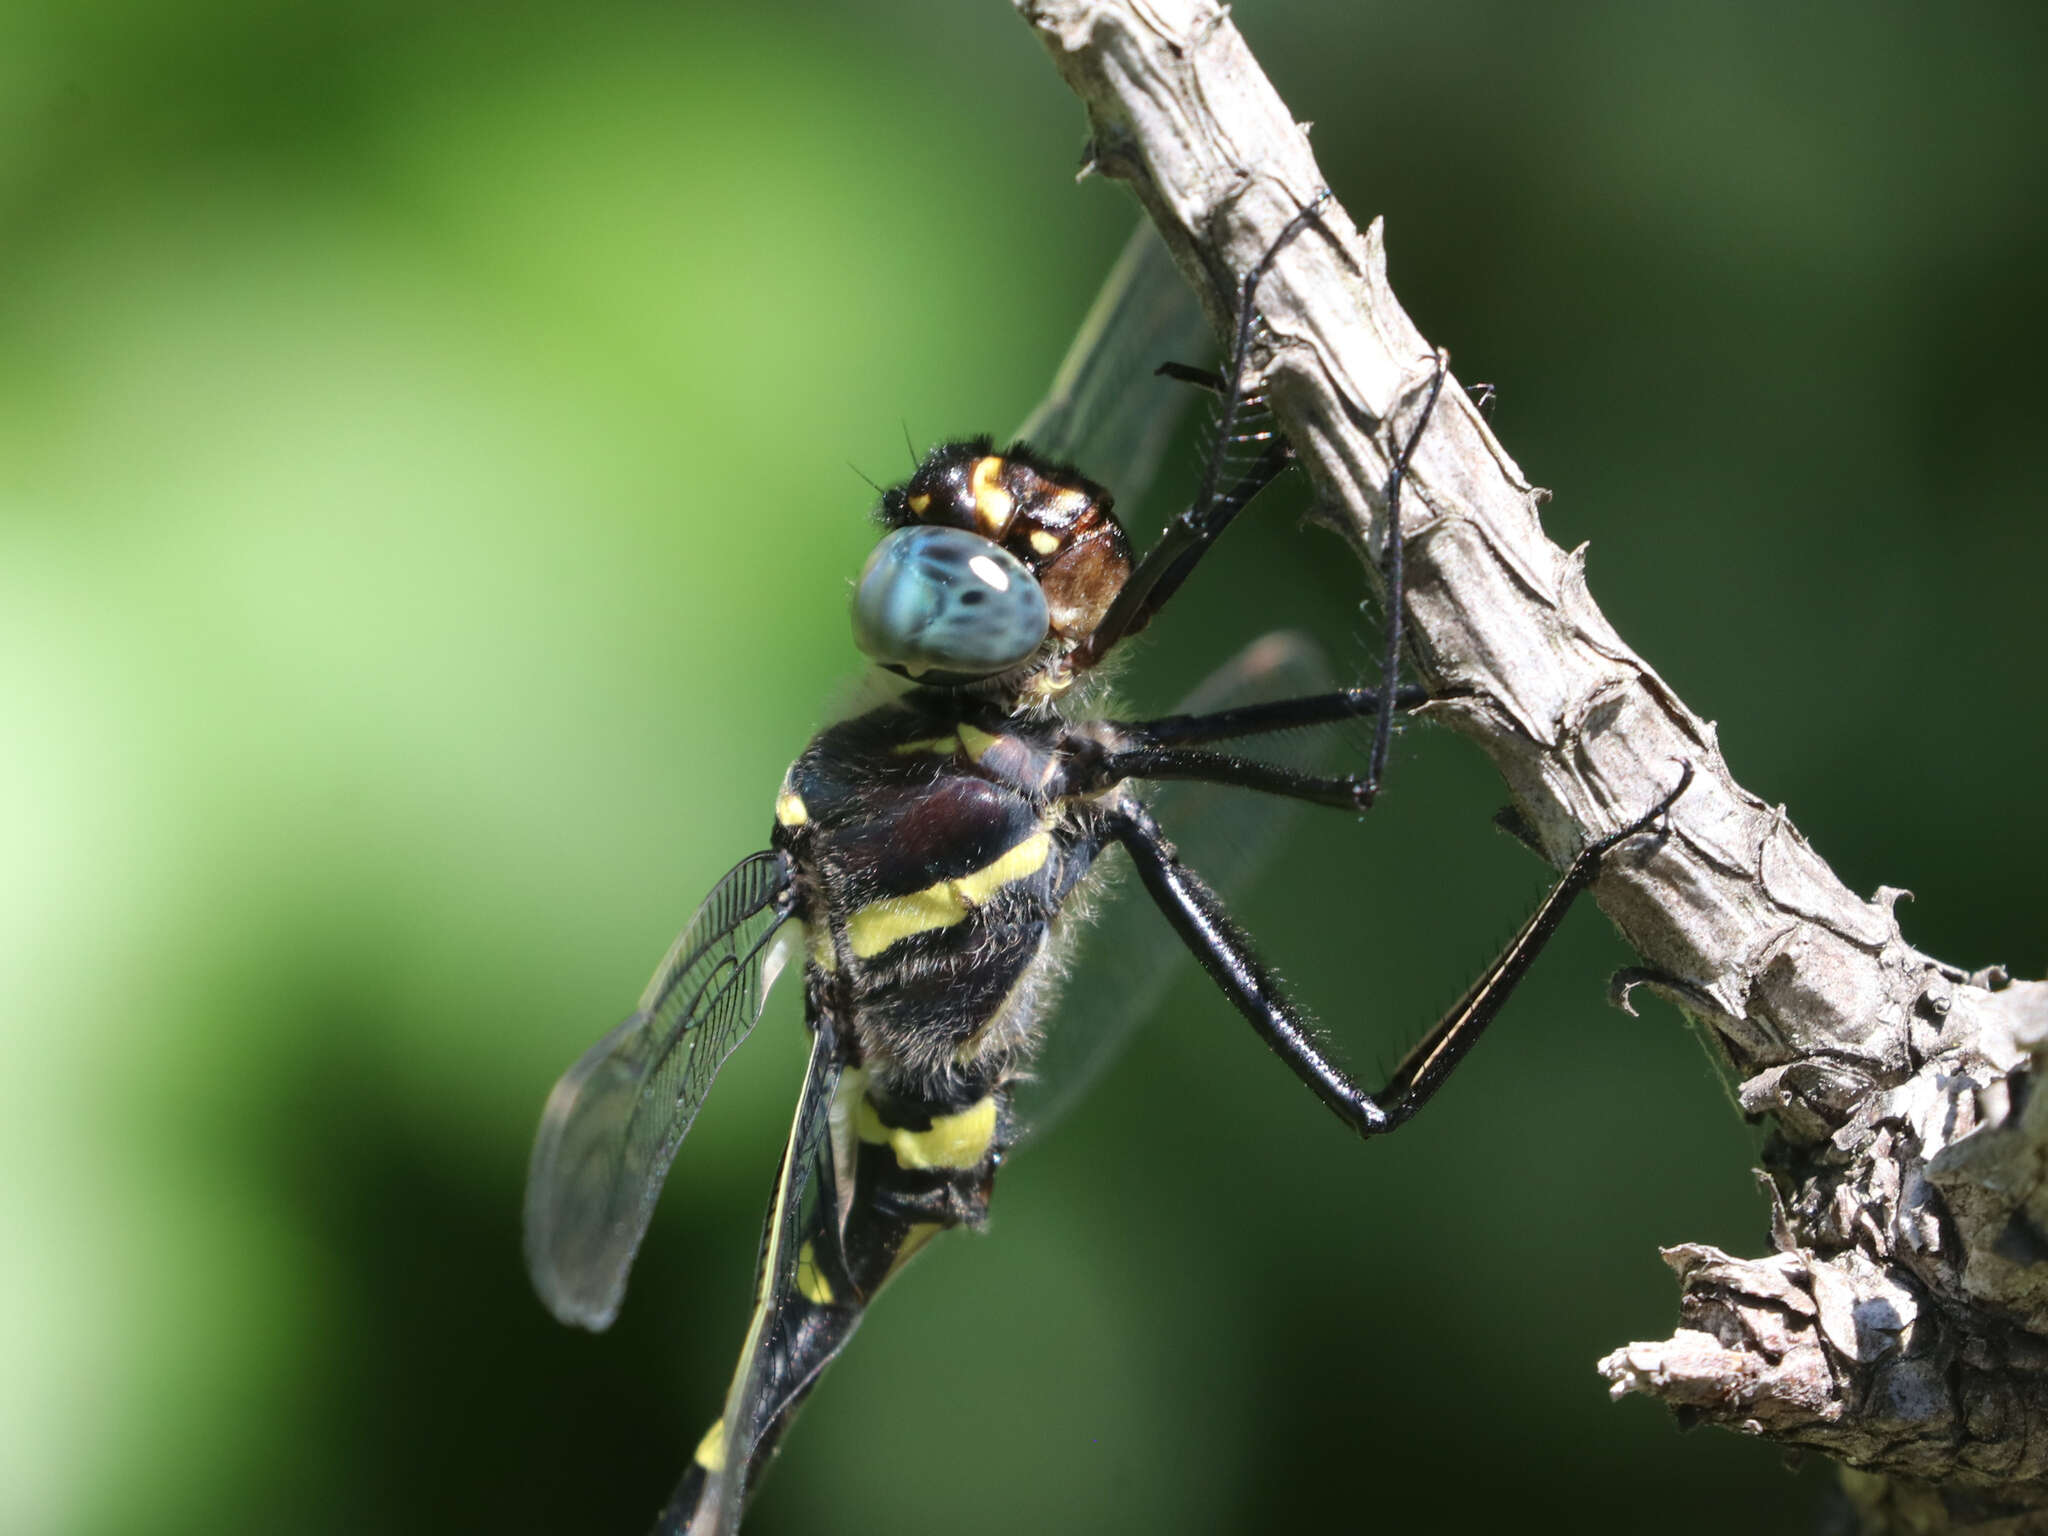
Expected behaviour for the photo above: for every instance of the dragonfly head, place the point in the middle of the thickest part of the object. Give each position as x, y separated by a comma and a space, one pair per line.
997, 565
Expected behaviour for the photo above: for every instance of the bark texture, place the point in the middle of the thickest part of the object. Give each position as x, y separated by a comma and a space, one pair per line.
1900, 1323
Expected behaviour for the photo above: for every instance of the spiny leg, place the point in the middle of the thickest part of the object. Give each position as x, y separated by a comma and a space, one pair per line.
1274, 458
1393, 566
1187, 373
1423, 1070
1393, 570
1171, 748
1259, 719
1339, 791
1190, 535
1198, 916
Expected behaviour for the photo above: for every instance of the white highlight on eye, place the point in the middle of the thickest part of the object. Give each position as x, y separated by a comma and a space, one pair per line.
990, 572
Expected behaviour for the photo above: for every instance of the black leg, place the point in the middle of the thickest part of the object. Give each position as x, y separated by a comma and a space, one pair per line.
1219, 944
1276, 456
1188, 536
1392, 568
1187, 373
1257, 719
1168, 748
1221, 947
1342, 792
1425, 1067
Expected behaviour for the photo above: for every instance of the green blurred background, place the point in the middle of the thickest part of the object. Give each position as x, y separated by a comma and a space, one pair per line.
425, 516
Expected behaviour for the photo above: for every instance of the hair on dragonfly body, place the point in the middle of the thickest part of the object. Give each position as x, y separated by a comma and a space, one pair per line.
931, 858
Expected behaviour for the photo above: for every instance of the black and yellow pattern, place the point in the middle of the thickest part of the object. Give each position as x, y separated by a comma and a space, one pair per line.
933, 846
925, 856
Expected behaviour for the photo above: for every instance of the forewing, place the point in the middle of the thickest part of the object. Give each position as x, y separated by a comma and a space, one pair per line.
1126, 956
614, 1121
806, 1182
1107, 412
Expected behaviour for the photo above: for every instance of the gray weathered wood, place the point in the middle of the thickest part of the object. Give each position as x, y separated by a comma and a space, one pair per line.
1901, 1325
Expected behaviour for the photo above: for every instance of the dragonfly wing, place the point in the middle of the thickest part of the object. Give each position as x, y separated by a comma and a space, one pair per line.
1108, 413
713, 1493
613, 1123
1126, 959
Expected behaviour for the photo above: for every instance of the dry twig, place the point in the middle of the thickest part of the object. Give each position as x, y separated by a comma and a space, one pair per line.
1901, 1325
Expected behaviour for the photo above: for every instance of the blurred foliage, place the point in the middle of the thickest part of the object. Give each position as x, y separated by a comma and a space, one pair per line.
424, 524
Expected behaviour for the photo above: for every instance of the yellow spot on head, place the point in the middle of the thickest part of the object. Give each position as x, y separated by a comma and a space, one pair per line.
1045, 543
810, 1279
790, 810
921, 503
710, 1453
993, 505
874, 927
954, 1141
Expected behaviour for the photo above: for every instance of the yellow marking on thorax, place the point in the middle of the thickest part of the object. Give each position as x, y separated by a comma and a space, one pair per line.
810, 1279
921, 503
710, 1453
954, 1141
1020, 863
823, 956
945, 746
1045, 543
993, 506
790, 810
879, 924
976, 742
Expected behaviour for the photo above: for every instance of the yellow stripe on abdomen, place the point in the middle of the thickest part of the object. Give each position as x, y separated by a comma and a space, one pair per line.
874, 927
711, 1449
954, 1141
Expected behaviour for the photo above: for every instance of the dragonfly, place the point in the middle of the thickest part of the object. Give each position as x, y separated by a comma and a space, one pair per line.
931, 860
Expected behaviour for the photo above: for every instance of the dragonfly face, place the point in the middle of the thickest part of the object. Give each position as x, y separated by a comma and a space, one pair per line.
1028, 534
924, 860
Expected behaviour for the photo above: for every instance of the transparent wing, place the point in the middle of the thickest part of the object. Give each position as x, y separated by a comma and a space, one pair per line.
1126, 958
614, 1121
1107, 412
805, 1183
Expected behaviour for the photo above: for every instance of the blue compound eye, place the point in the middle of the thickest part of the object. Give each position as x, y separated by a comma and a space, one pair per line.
935, 599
